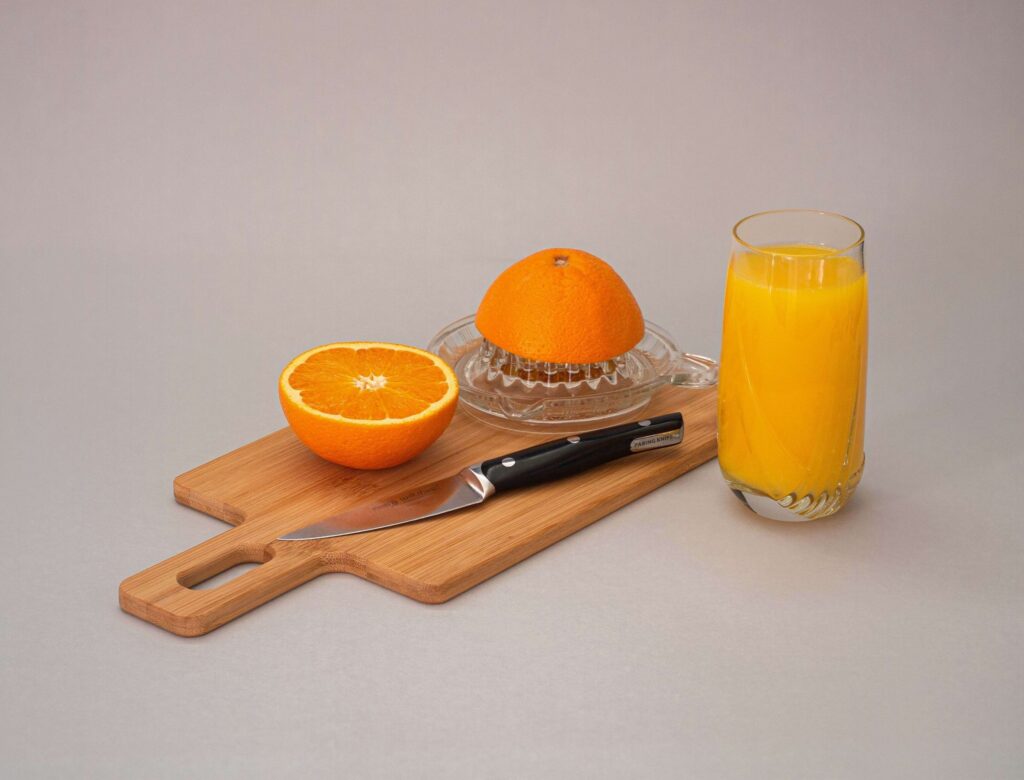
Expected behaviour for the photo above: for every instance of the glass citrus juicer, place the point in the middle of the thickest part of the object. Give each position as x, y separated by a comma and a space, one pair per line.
546, 391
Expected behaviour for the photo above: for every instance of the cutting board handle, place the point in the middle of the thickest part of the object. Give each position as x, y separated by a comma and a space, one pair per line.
163, 593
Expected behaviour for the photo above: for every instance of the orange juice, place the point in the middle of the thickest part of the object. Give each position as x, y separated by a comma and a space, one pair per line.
792, 379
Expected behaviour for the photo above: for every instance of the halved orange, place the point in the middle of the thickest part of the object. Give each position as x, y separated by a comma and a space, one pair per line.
368, 405
561, 306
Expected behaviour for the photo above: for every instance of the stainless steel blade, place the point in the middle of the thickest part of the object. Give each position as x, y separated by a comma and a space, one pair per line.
466, 488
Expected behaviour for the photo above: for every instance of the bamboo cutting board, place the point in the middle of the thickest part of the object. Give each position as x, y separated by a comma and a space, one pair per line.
275, 485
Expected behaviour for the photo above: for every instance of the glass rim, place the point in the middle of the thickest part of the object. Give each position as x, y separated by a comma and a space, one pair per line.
818, 212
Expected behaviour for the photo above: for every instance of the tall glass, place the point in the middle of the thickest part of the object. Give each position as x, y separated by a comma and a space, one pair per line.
794, 363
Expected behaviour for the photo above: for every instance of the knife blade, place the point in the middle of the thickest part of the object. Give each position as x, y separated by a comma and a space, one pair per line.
475, 484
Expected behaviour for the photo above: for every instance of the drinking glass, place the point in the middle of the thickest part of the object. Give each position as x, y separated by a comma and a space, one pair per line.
794, 363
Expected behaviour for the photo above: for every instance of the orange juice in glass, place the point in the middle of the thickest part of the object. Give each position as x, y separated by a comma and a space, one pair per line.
794, 363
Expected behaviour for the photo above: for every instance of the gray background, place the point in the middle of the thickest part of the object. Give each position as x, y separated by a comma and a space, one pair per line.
193, 193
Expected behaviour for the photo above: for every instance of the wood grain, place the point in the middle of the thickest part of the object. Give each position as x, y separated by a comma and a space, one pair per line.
275, 485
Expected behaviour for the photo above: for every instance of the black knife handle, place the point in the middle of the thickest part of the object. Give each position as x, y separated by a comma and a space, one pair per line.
567, 456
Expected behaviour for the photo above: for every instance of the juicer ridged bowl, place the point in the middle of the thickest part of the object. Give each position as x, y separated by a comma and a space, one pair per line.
513, 392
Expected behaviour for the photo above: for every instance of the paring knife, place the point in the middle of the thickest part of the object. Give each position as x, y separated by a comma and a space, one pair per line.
475, 484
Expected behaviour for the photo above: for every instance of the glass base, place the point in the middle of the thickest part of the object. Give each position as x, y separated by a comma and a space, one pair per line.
793, 508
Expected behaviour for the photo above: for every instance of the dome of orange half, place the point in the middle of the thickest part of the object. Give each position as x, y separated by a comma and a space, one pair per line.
561, 306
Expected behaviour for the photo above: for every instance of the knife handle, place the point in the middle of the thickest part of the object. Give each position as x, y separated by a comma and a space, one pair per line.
572, 455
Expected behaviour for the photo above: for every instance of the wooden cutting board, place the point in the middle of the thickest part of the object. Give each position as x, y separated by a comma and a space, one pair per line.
275, 485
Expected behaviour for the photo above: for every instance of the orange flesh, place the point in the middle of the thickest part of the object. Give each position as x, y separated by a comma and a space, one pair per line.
369, 384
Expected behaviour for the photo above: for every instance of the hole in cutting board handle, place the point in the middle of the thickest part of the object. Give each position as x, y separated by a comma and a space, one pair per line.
225, 576
210, 574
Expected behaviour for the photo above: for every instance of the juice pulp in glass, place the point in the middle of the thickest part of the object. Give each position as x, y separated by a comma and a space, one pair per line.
792, 378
